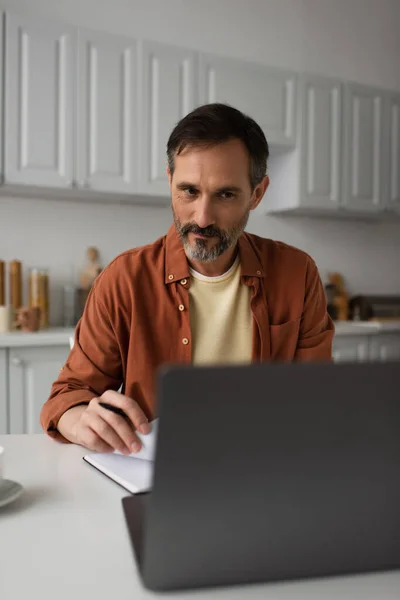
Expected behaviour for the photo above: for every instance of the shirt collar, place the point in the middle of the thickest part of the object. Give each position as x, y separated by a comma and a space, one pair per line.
177, 266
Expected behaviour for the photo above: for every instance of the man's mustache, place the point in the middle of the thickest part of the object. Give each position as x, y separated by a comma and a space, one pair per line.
209, 231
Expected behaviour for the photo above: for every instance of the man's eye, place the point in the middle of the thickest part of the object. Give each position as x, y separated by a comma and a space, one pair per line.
227, 195
190, 191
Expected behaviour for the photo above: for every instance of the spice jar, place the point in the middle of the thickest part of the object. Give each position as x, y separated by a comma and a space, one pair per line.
39, 294
2, 283
16, 284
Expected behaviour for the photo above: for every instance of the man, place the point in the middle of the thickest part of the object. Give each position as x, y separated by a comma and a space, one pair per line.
205, 293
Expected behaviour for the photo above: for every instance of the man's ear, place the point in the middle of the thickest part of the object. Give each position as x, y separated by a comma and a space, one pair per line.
259, 192
169, 175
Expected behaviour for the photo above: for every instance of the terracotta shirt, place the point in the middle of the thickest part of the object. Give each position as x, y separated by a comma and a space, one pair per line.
137, 318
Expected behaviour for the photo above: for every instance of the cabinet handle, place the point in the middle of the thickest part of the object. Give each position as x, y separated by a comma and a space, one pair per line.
16, 361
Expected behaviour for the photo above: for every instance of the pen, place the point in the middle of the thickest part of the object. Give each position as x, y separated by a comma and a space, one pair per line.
114, 409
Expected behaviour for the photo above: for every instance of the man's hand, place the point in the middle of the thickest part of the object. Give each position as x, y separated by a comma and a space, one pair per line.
103, 430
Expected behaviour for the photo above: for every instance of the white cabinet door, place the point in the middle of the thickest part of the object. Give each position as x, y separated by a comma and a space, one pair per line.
320, 176
107, 153
31, 373
3, 391
393, 176
168, 84
1, 97
350, 348
363, 149
265, 94
39, 101
385, 347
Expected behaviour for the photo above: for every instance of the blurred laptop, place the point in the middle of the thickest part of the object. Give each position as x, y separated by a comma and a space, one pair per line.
270, 472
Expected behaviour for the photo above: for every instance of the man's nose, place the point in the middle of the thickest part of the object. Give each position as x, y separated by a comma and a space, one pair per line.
204, 213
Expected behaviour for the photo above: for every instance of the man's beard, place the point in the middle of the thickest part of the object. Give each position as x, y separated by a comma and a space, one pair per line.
199, 251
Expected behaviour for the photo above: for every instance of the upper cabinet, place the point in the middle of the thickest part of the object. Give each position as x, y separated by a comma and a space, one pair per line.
364, 181
39, 102
267, 95
106, 125
91, 113
168, 91
1, 94
393, 151
320, 135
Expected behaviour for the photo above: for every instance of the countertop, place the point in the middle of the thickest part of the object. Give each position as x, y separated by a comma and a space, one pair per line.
366, 327
66, 537
54, 336
59, 336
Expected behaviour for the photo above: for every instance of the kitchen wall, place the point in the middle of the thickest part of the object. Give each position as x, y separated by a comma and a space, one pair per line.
351, 39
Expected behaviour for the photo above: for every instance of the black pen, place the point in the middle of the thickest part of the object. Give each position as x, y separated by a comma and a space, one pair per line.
113, 409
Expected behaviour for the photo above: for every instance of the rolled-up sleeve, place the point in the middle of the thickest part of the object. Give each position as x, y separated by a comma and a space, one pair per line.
316, 327
92, 367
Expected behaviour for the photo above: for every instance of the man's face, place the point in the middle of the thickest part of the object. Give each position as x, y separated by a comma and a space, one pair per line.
212, 198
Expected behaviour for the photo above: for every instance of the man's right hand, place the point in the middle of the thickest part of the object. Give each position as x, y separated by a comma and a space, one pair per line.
101, 429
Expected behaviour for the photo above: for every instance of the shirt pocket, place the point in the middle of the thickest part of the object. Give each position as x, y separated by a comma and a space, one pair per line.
284, 338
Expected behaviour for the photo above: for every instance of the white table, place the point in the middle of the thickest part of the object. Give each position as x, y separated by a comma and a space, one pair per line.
66, 538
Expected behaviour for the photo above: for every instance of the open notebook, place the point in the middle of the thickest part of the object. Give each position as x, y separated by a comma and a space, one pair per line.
133, 472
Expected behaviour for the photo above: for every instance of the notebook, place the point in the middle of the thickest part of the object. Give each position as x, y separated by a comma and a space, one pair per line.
133, 472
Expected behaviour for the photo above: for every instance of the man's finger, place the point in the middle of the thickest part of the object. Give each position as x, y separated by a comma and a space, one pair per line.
122, 426
91, 440
130, 408
107, 433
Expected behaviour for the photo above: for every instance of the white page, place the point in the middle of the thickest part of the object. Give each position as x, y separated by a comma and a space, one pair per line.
135, 471
133, 474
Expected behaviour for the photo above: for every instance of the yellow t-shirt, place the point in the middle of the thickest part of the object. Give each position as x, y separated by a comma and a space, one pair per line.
221, 320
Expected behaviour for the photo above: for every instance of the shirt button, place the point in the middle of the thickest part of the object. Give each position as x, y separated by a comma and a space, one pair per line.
185, 341
170, 277
181, 307
183, 281
258, 272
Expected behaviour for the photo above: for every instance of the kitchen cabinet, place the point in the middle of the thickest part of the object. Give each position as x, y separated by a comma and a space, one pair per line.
320, 134
3, 391
350, 348
90, 113
393, 140
1, 100
106, 124
168, 91
385, 347
363, 151
40, 72
266, 94
32, 370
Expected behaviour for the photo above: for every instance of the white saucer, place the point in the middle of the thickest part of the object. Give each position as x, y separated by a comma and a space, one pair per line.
9, 491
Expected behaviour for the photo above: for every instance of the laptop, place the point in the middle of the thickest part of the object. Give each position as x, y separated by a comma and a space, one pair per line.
271, 472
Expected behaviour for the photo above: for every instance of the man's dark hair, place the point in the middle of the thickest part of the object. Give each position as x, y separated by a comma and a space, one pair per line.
214, 124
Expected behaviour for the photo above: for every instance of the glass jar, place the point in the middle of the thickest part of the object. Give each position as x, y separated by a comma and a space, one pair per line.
69, 306
39, 293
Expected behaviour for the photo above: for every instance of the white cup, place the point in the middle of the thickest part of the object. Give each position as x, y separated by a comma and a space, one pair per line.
6, 313
1, 464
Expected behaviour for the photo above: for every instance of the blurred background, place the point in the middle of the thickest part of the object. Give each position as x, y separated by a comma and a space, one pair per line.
90, 92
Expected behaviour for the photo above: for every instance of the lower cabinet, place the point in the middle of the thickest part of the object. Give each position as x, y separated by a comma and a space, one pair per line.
385, 347
350, 349
359, 348
27, 373
32, 370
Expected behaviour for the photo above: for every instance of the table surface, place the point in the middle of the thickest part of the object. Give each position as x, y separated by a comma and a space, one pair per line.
65, 537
